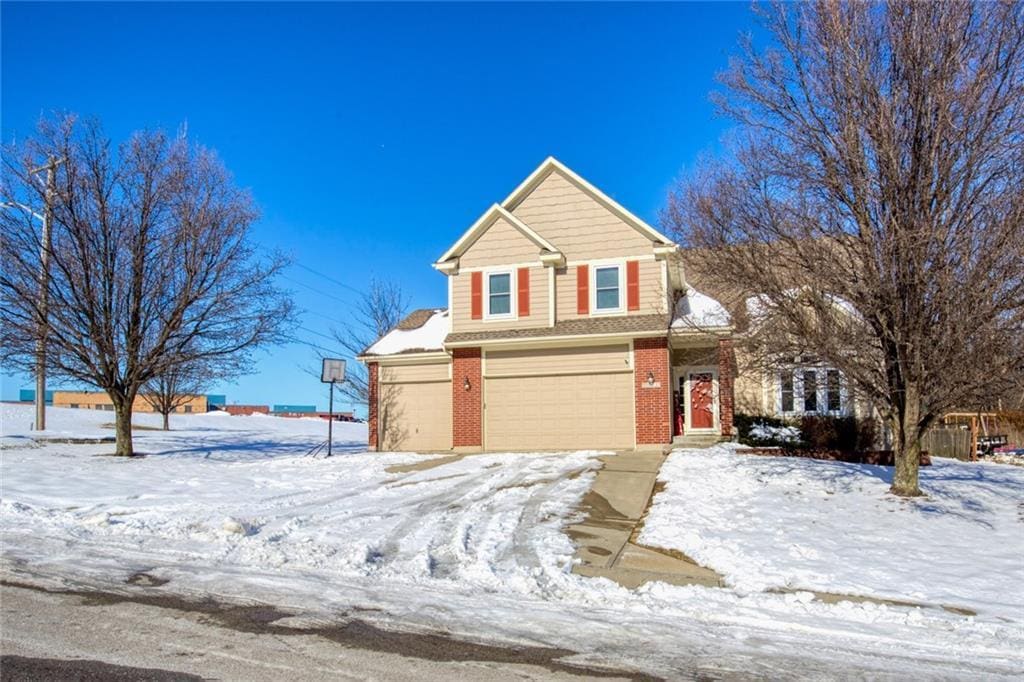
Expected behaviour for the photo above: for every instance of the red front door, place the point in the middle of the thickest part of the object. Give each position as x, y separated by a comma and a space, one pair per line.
702, 402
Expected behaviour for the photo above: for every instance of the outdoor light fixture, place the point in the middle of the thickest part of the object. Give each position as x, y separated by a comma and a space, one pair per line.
650, 378
465, 383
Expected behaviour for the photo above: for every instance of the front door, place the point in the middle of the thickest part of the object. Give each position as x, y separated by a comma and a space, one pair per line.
702, 401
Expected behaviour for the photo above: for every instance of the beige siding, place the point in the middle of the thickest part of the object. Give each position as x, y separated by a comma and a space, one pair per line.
653, 298
461, 319
566, 412
500, 244
614, 358
577, 224
749, 389
414, 373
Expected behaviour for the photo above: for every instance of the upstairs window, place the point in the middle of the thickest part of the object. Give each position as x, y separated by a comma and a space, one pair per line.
499, 294
607, 288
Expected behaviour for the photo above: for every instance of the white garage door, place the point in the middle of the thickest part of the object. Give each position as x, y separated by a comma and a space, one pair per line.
559, 411
415, 408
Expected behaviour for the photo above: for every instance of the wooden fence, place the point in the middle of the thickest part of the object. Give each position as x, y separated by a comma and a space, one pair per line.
955, 443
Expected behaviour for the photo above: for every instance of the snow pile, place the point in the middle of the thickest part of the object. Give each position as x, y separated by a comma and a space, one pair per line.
695, 310
430, 336
776, 434
793, 523
232, 509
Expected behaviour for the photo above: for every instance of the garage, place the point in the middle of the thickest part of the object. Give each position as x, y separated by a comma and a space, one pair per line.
559, 399
415, 407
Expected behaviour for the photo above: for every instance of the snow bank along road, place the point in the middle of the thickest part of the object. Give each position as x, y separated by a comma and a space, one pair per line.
230, 508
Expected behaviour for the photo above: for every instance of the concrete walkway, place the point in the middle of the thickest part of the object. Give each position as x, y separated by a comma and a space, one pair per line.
606, 540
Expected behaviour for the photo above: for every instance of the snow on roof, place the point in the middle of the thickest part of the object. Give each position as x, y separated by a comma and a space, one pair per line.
429, 336
696, 310
758, 306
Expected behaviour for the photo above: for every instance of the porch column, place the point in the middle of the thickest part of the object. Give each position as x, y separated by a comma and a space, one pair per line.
726, 375
652, 382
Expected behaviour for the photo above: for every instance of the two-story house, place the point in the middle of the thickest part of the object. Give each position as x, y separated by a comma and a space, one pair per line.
569, 325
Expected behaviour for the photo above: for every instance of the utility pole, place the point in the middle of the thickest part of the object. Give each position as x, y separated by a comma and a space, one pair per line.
44, 287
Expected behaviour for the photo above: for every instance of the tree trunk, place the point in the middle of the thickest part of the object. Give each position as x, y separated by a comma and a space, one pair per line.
907, 446
167, 421
123, 428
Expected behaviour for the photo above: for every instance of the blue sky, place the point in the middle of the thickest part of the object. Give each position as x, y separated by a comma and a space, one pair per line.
372, 135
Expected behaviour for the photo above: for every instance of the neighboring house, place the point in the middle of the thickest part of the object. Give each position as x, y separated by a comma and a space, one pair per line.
569, 325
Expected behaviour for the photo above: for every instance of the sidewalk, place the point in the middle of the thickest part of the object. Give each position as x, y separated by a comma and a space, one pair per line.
606, 540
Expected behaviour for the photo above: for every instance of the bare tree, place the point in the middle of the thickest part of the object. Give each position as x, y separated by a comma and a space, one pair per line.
872, 200
174, 388
150, 265
379, 310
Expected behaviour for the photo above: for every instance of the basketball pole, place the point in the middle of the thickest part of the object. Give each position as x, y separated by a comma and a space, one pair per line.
330, 420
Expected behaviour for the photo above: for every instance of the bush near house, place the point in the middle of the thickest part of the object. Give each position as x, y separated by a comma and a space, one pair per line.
816, 433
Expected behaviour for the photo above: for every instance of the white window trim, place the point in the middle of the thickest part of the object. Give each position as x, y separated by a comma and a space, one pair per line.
513, 310
594, 267
821, 391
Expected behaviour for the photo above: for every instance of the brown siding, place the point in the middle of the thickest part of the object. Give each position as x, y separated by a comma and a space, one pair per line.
462, 321
653, 298
500, 244
437, 371
613, 358
576, 223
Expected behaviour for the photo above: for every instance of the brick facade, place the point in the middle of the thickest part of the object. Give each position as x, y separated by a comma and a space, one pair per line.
726, 375
467, 406
653, 407
371, 417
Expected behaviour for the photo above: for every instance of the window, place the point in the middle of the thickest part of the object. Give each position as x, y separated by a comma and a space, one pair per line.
606, 288
786, 385
833, 395
187, 408
499, 294
811, 390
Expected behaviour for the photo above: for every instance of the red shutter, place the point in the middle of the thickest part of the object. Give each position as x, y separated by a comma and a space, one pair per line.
582, 290
633, 285
523, 279
477, 294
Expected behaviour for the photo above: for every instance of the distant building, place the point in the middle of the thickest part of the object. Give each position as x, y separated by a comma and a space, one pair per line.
99, 400
28, 395
293, 410
243, 410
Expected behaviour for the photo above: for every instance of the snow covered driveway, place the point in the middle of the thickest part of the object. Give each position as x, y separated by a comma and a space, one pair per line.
230, 507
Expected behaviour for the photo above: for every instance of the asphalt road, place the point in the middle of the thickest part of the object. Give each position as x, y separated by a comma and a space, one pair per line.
84, 636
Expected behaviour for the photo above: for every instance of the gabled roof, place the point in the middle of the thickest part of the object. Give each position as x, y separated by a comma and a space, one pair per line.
484, 222
552, 164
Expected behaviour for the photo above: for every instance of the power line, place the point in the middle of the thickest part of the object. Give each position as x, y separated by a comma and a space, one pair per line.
315, 290
329, 278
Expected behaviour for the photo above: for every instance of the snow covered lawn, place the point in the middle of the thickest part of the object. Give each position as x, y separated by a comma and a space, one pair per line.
230, 507
781, 522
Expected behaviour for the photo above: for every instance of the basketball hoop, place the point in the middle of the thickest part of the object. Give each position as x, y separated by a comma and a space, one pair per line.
332, 372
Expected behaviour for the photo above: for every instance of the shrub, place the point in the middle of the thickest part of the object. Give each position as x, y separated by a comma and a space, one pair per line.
764, 431
812, 432
845, 434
